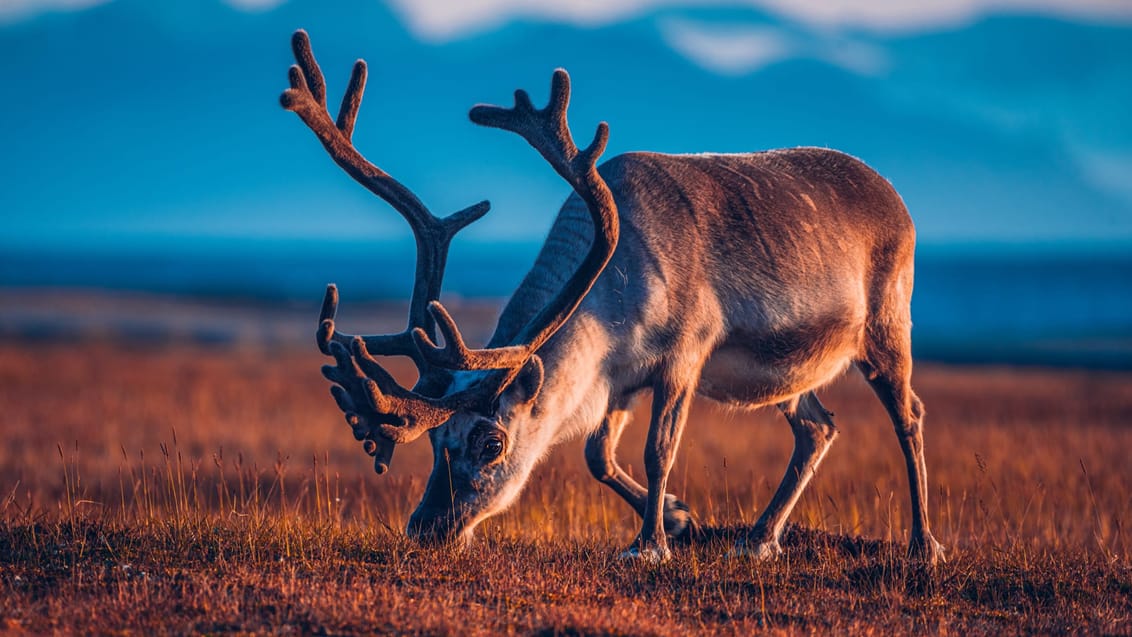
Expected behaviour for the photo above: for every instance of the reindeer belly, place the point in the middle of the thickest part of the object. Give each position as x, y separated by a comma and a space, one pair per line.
755, 370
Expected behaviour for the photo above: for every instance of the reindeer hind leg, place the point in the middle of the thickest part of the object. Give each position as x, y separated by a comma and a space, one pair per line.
814, 432
888, 369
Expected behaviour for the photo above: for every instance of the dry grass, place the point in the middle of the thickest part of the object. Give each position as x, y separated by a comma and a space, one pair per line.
180, 489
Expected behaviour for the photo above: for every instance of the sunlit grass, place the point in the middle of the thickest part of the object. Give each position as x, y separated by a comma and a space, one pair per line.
193, 490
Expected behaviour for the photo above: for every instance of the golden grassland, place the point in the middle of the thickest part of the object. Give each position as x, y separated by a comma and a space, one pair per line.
176, 488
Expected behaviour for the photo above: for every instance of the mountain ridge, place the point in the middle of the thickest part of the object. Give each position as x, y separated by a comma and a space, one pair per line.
140, 119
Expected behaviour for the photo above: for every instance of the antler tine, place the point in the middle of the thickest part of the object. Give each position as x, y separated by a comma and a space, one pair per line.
456, 355
363, 420
315, 82
400, 344
351, 99
548, 132
307, 99
417, 414
381, 412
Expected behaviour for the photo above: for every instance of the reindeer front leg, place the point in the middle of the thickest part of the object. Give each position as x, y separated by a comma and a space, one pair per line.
671, 401
601, 459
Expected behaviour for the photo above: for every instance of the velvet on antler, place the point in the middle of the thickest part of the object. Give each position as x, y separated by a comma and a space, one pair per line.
307, 98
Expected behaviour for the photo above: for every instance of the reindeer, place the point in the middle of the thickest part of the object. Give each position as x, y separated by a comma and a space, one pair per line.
750, 279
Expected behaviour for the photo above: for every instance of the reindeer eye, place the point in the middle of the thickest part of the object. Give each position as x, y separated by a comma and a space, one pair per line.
492, 447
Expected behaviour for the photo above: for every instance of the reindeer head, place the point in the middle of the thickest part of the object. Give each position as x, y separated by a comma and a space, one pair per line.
479, 406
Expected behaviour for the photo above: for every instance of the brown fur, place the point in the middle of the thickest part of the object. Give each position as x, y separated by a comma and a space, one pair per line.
752, 279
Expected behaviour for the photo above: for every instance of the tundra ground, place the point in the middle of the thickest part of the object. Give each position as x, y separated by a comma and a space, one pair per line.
186, 489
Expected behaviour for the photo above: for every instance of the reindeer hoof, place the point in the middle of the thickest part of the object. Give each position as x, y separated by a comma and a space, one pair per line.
678, 521
646, 555
927, 550
761, 552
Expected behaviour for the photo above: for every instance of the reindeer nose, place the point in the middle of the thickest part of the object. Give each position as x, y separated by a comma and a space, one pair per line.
430, 527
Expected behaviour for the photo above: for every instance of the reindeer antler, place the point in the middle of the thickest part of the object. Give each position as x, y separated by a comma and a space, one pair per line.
380, 410
307, 98
548, 132
376, 420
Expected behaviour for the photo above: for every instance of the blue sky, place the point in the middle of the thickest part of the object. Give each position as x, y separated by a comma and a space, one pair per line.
131, 123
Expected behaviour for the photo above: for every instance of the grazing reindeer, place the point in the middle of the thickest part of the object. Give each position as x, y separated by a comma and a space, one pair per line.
752, 279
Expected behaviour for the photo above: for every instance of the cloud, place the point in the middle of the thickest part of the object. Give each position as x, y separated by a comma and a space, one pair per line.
255, 5
901, 15
741, 49
730, 50
1106, 170
15, 10
12, 11
737, 49
442, 20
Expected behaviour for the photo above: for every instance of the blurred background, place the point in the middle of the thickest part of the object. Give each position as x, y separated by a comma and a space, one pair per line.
145, 159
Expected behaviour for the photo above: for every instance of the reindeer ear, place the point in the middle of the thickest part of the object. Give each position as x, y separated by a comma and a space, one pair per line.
526, 386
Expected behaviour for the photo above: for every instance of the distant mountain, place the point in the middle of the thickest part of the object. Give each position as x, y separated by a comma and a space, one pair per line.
141, 123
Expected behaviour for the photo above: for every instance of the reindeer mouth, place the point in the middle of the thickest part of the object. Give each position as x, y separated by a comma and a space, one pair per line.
437, 527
